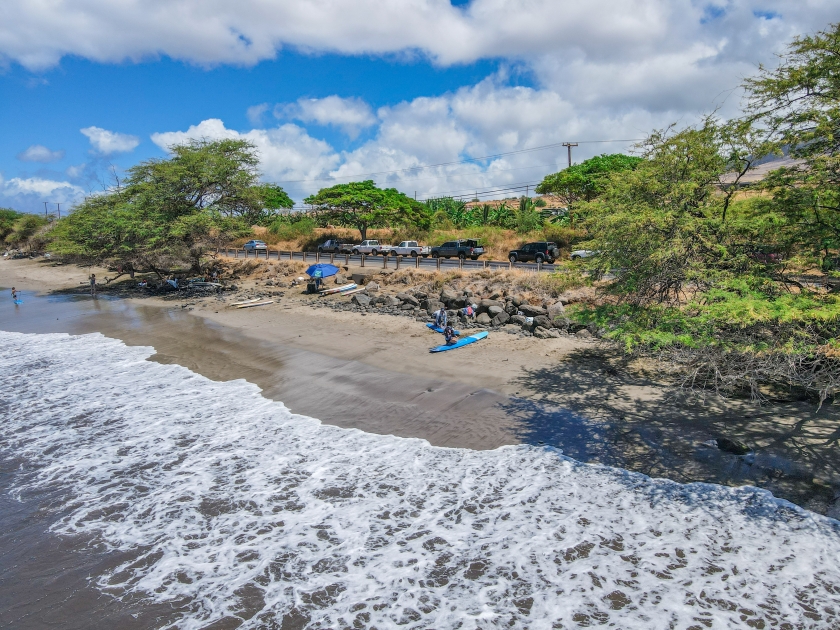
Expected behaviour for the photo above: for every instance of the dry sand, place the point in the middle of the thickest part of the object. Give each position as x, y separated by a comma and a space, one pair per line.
374, 372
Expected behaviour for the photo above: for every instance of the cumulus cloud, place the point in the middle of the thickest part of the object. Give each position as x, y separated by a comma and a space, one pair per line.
29, 194
420, 145
351, 115
286, 152
107, 142
613, 57
40, 153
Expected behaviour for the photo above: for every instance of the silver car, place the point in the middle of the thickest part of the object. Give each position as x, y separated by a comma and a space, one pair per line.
254, 245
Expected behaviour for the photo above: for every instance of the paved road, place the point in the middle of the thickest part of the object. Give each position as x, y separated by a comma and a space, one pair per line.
387, 262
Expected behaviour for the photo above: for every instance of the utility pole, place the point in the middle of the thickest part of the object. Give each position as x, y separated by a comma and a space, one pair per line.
45, 209
569, 145
59, 210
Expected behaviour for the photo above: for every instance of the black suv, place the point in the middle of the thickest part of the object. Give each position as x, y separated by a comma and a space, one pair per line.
538, 252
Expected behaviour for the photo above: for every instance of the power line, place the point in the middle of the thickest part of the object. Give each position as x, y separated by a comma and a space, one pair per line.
465, 161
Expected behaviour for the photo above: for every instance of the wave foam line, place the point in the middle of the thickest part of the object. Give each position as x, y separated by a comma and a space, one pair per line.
233, 507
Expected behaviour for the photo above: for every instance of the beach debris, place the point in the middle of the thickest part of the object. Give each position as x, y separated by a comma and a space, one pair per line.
251, 304
736, 447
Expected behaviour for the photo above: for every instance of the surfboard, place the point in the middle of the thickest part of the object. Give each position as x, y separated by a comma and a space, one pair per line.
438, 329
461, 342
266, 303
251, 301
353, 291
341, 289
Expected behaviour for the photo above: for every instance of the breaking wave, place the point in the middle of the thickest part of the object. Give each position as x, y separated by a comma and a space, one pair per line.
234, 508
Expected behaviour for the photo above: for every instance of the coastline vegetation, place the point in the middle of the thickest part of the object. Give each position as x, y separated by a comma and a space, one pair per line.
730, 280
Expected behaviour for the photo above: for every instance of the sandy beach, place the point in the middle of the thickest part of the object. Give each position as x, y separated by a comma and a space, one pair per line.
374, 372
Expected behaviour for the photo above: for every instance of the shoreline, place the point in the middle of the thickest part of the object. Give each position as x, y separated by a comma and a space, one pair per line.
373, 372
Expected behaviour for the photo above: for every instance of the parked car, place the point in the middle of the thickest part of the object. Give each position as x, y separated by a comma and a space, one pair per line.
538, 252
466, 248
254, 245
410, 248
335, 246
583, 253
370, 247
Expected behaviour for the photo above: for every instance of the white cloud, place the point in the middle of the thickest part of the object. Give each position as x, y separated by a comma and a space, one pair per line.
615, 58
40, 153
255, 113
29, 194
108, 142
351, 115
286, 152
485, 119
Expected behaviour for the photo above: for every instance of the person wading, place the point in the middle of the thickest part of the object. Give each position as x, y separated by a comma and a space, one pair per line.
93, 284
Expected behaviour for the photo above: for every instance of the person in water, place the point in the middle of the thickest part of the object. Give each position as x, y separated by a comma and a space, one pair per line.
449, 334
440, 317
14, 294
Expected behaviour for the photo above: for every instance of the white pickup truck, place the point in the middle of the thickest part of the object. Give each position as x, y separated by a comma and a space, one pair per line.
371, 247
410, 248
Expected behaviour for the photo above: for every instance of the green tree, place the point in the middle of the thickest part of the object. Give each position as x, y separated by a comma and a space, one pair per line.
799, 102
364, 206
663, 223
169, 212
7, 221
585, 181
24, 229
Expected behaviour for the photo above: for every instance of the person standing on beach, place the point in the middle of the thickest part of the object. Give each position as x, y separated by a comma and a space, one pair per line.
93, 284
440, 317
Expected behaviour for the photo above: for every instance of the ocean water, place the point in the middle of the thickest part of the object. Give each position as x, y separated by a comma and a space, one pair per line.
235, 510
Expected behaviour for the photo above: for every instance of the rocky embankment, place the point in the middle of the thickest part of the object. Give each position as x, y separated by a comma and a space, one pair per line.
511, 313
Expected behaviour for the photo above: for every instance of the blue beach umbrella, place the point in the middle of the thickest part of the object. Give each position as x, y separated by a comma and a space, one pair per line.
321, 271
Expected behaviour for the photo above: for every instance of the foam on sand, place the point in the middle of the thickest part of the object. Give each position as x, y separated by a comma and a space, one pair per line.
235, 507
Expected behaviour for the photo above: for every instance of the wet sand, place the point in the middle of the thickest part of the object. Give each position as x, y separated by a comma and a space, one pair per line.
375, 374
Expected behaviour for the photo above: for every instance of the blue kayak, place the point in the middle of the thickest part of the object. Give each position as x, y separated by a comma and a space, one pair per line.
461, 342
438, 329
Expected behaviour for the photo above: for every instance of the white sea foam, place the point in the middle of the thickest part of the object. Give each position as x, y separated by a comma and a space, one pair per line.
241, 509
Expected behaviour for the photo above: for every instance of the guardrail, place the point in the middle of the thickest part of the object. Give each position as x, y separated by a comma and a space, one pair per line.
396, 262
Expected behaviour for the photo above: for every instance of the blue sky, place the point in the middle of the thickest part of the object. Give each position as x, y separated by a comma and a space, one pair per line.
330, 92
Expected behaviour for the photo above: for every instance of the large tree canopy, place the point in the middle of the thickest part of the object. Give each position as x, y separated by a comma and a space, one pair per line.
363, 205
169, 211
799, 102
586, 180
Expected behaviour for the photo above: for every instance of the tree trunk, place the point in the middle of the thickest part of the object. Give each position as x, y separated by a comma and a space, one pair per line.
363, 231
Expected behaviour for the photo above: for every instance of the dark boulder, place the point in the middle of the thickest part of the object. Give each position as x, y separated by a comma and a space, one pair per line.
529, 310
360, 299
409, 299
448, 296
500, 318
485, 305
543, 321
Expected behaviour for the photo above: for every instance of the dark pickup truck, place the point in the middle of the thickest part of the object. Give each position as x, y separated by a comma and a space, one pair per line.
538, 252
467, 248
334, 246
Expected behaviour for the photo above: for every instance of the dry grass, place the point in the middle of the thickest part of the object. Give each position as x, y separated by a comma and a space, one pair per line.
497, 242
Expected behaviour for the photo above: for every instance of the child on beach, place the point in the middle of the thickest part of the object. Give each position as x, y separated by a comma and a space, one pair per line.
449, 334
93, 284
14, 294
